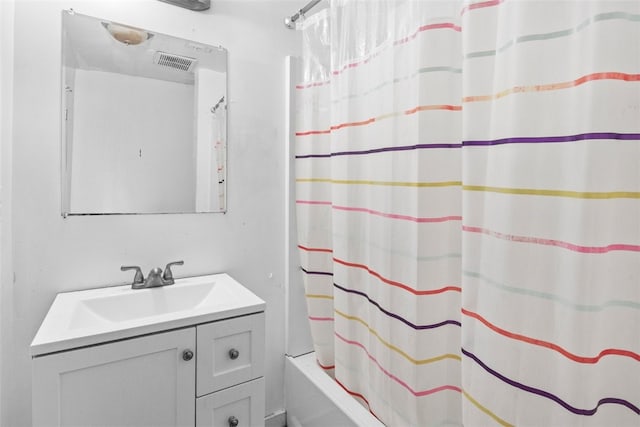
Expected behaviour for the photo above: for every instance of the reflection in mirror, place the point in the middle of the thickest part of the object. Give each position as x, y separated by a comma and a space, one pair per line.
144, 121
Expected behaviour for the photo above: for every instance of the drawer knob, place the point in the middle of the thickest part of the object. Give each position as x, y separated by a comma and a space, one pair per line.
187, 355
233, 353
233, 421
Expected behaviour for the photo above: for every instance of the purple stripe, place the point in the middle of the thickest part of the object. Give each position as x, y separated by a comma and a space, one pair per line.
396, 316
313, 156
546, 394
381, 150
321, 273
555, 139
484, 143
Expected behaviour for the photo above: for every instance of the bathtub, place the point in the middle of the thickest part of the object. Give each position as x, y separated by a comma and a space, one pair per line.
313, 399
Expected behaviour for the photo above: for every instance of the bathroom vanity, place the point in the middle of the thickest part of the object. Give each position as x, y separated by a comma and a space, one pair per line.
186, 354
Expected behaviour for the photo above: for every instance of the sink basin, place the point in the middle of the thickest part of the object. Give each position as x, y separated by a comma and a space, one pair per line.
78, 319
146, 302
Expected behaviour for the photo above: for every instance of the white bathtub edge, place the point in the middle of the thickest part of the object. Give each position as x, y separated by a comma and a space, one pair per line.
338, 403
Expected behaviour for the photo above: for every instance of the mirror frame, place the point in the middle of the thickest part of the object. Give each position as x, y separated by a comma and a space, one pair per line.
66, 160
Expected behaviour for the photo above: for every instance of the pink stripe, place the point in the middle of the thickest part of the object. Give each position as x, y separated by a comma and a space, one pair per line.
556, 243
381, 214
397, 216
480, 5
396, 379
444, 25
440, 26
321, 319
312, 84
437, 389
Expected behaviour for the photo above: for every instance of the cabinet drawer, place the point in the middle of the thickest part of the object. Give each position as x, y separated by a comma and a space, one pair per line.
229, 352
241, 406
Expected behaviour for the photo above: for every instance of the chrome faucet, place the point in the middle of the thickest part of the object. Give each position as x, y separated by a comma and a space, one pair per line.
155, 277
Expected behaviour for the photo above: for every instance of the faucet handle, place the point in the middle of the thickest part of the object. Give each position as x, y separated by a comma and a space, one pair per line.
139, 277
168, 275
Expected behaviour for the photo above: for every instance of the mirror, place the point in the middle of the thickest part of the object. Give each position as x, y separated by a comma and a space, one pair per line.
144, 121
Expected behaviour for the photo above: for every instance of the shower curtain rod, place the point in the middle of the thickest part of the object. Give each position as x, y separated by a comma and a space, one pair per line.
290, 21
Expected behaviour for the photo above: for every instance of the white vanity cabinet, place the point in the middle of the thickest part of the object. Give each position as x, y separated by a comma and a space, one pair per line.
135, 382
189, 354
206, 375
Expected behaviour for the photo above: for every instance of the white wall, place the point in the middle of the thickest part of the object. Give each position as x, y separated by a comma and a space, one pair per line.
52, 254
2, 137
119, 163
6, 114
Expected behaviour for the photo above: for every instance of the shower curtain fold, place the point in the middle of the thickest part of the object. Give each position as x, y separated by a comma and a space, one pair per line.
468, 208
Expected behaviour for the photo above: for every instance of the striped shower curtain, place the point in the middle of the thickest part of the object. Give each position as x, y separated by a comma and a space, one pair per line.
468, 198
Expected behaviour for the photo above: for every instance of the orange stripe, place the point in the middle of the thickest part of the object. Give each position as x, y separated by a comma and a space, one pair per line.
550, 345
398, 284
312, 132
434, 107
555, 86
349, 124
304, 248
444, 107
353, 393
325, 367
358, 395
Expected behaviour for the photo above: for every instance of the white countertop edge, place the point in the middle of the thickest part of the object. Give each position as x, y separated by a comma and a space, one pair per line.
41, 349
63, 342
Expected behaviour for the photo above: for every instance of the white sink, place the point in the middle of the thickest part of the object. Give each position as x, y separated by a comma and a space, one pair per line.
78, 319
142, 303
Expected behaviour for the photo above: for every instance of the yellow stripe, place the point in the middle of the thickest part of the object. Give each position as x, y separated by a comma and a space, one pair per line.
556, 193
385, 183
318, 296
486, 411
396, 349
503, 190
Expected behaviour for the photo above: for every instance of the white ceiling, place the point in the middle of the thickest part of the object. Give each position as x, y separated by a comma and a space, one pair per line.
87, 45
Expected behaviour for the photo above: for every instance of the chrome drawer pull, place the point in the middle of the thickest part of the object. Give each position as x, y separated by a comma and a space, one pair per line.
187, 355
233, 353
233, 421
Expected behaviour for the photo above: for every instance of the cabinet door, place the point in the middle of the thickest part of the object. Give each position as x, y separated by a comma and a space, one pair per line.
136, 382
238, 406
230, 352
